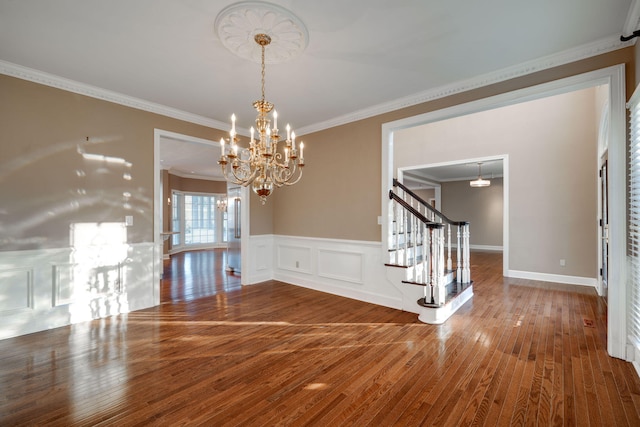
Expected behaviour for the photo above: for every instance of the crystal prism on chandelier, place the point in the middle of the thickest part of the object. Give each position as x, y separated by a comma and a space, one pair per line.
261, 164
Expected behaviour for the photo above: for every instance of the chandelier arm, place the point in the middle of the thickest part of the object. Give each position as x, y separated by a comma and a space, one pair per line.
231, 178
286, 175
280, 173
244, 174
297, 179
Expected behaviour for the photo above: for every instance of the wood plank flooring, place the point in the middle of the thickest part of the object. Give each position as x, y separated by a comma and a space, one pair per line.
216, 353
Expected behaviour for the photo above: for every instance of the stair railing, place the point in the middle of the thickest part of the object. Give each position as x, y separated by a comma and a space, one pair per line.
417, 244
463, 265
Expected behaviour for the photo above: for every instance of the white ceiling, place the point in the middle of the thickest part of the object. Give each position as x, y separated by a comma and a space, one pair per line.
364, 57
424, 177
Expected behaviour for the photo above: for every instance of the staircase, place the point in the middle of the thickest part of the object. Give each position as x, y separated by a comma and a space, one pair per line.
420, 246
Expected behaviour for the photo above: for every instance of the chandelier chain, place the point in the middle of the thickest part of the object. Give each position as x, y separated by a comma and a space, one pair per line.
263, 73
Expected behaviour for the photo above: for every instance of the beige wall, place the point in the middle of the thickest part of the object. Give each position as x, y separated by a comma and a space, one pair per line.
481, 207
339, 196
45, 182
193, 185
551, 145
41, 129
261, 220
426, 194
635, 72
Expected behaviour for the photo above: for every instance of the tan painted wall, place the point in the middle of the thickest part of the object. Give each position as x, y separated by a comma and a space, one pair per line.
481, 207
193, 185
261, 220
552, 147
426, 194
41, 129
636, 71
45, 182
339, 196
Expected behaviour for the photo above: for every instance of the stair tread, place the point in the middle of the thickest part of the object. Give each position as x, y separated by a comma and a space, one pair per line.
453, 294
397, 265
409, 246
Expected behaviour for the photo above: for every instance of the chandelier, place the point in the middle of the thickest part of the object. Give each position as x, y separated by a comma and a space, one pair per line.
480, 182
262, 165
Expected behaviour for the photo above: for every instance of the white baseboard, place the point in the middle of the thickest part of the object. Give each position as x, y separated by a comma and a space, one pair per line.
487, 248
557, 278
357, 294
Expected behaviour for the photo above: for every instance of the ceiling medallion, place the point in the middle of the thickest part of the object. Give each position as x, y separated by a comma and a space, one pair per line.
238, 24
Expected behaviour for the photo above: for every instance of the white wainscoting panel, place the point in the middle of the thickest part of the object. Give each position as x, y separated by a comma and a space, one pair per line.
16, 290
352, 269
261, 259
44, 289
294, 258
341, 265
63, 280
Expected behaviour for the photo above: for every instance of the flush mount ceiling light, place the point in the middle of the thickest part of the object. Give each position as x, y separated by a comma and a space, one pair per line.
246, 29
480, 182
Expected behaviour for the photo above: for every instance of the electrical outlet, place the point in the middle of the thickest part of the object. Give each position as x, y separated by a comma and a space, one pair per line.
297, 264
562, 263
128, 220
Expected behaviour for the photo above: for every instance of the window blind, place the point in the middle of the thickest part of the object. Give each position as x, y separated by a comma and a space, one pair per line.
634, 220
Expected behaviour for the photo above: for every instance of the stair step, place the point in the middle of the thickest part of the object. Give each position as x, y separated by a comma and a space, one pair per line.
396, 265
411, 263
453, 290
409, 246
411, 282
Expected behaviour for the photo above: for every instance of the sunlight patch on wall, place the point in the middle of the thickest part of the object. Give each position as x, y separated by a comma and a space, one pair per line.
99, 257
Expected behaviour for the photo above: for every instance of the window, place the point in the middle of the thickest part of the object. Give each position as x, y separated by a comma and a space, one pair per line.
197, 219
176, 218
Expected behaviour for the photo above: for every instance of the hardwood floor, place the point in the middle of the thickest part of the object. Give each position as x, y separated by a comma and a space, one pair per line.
214, 353
196, 274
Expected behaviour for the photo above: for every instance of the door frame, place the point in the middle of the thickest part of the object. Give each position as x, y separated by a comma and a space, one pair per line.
614, 77
157, 208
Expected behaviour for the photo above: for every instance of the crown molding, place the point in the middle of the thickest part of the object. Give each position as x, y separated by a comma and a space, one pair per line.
52, 80
602, 46
599, 47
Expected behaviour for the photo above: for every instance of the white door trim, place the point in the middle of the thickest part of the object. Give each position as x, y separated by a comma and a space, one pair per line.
614, 77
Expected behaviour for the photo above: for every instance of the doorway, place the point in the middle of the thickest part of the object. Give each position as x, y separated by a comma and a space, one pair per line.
613, 79
201, 155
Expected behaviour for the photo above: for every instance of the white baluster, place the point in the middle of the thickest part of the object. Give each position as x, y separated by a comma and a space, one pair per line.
459, 277
396, 236
423, 264
441, 286
405, 238
449, 262
466, 273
